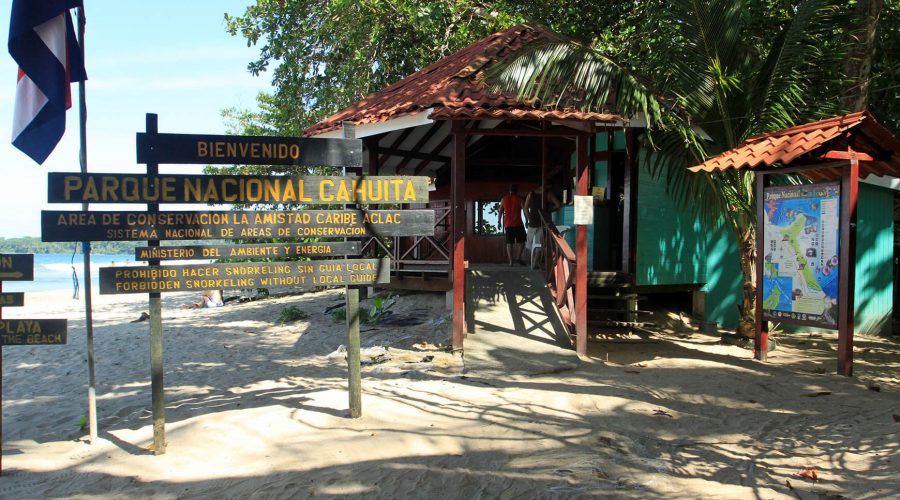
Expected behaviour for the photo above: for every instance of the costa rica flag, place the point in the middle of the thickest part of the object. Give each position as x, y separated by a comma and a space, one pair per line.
42, 41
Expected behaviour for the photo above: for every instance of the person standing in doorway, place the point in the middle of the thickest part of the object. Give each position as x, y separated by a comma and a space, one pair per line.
533, 231
511, 218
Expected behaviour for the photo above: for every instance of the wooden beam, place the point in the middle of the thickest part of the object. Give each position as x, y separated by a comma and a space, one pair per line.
372, 152
421, 143
458, 240
581, 263
395, 145
848, 155
437, 149
388, 152
847, 269
798, 169
530, 132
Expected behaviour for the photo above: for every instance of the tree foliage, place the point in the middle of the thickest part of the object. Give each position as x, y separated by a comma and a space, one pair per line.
325, 55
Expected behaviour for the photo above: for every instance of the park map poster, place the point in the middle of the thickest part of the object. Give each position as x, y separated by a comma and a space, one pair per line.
800, 252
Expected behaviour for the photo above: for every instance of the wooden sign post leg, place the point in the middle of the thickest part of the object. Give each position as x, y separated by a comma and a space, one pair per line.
157, 387
761, 342
156, 375
354, 368
1, 394
847, 267
353, 361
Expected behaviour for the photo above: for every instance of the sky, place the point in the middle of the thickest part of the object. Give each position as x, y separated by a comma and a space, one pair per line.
172, 58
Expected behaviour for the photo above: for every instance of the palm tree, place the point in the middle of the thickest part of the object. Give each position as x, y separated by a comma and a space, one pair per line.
714, 90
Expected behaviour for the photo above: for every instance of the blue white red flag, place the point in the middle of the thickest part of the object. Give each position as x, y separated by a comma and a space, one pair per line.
42, 41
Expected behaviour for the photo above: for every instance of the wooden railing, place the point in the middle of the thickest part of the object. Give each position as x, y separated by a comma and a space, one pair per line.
559, 271
418, 250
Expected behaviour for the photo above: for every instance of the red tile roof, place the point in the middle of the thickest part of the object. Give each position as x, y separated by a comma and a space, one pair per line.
453, 88
858, 131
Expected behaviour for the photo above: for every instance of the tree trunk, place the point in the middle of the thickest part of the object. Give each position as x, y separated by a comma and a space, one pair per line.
747, 248
858, 67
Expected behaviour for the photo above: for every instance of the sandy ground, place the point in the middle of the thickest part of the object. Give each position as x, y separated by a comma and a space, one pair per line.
257, 409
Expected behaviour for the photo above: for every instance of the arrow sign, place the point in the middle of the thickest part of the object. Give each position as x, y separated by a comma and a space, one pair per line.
17, 267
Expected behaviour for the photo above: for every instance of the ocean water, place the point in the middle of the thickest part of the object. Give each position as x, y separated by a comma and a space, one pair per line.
54, 272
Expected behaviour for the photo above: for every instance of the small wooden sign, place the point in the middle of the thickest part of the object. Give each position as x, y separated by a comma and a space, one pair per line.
231, 189
247, 150
16, 267
12, 299
130, 226
33, 331
252, 251
299, 274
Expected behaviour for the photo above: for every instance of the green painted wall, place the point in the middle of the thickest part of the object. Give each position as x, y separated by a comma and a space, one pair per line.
671, 243
874, 260
724, 278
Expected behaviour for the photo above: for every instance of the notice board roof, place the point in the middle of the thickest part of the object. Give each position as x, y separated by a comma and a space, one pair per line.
810, 142
452, 88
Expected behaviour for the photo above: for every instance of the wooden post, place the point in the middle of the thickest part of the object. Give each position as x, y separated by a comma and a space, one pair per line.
545, 167
581, 264
354, 368
458, 239
631, 182
847, 269
353, 361
761, 342
157, 386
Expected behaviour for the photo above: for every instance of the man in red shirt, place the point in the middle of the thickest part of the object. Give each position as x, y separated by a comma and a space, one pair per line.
511, 218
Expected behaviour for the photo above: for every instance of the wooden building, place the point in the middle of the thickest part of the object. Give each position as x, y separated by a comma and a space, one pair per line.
444, 123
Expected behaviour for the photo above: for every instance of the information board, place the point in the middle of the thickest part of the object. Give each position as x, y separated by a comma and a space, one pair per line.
32, 331
250, 224
232, 189
298, 274
800, 254
250, 251
247, 150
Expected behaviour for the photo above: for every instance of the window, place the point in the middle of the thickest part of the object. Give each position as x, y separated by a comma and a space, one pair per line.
487, 218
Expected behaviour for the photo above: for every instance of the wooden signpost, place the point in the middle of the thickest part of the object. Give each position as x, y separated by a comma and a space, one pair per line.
206, 189
16, 267
153, 147
324, 227
12, 299
135, 226
20, 267
249, 251
298, 274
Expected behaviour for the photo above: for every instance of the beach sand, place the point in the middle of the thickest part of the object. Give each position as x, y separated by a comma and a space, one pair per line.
258, 409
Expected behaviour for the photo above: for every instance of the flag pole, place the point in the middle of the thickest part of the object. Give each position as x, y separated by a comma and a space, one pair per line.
86, 247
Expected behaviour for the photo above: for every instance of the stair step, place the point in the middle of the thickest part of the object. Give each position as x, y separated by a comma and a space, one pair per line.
622, 324
621, 296
618, 311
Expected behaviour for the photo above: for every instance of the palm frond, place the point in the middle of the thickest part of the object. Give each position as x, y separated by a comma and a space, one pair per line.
798, 56
568, 75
